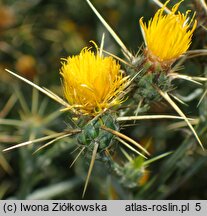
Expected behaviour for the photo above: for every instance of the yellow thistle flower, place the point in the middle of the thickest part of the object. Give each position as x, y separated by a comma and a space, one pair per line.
168, 36
92, 83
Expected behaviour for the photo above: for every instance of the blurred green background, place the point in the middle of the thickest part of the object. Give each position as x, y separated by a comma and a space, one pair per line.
34, 36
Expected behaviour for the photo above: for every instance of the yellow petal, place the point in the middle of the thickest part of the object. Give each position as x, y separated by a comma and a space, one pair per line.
168, 36
92, 83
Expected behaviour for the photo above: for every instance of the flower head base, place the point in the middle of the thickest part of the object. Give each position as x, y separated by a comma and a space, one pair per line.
92, 83
169, 36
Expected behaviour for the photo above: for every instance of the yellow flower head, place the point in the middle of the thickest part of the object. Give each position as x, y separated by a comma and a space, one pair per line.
167, 36
92, 83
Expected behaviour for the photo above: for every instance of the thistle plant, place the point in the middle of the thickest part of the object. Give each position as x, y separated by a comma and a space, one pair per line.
102, 92
92, 83
178, 28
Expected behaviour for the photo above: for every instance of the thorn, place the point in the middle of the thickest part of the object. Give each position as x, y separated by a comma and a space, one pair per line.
95, 149
117, 133
76, 158
111, 31
178, 110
